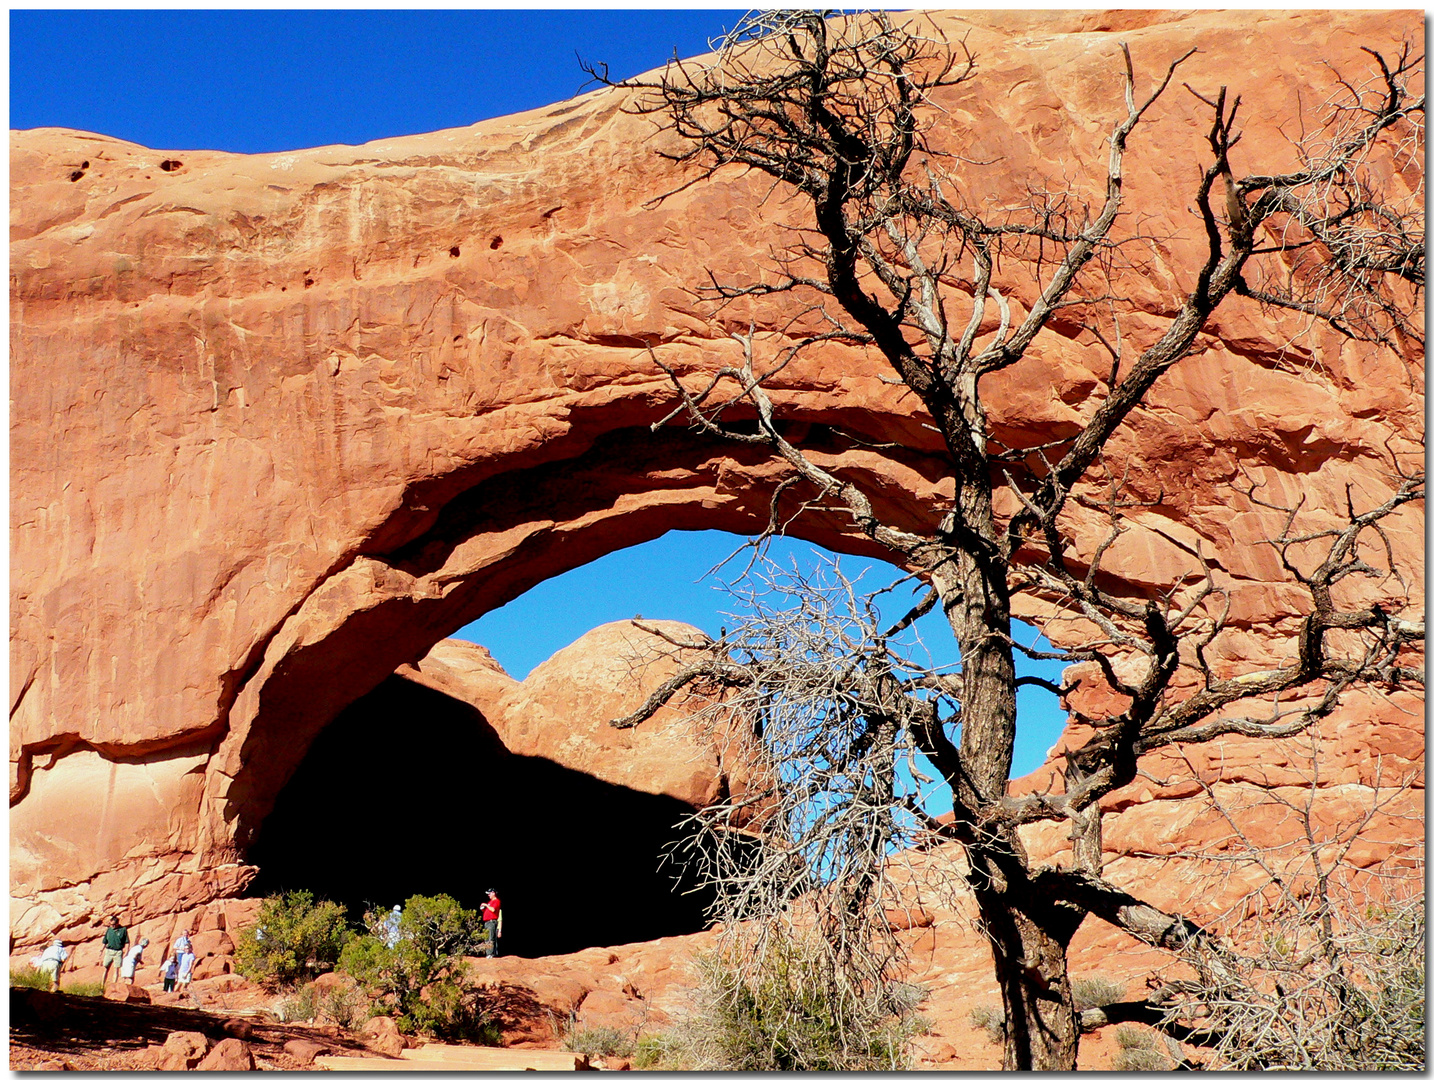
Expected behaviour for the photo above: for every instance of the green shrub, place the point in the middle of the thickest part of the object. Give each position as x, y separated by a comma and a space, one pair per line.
30, 978
296, 1008
1096, 992
597, 1041
991, 1021
294, 938
656, 1052
421, 979
786, 1013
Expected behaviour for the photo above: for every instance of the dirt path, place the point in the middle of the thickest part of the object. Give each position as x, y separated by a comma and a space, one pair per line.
57, 1031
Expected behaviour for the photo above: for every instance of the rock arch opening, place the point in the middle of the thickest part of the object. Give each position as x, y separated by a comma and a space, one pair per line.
411, 788
410, 791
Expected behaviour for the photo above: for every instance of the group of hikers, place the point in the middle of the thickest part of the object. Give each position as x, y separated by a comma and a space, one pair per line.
178, 967
124, 959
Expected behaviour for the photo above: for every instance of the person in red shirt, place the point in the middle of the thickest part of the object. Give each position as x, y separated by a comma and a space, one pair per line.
493, 921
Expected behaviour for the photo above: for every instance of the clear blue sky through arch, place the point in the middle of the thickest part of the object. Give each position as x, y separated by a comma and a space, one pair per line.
266, 81
666, 579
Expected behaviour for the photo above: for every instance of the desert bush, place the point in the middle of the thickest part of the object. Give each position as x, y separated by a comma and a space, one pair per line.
655, 1052
1142, 1059
296, 1008
294, 938
345, 1006
1132, 1038
1137, 1051
990, 1020
786, 1013
597, 1040
1096, 992
421, 979
905, 998
1333, 991
29, 978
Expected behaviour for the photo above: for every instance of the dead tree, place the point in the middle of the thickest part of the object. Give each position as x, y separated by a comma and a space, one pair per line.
896, 256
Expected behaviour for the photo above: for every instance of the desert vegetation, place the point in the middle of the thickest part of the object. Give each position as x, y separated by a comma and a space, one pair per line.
791, 1012
412, 967
294, 939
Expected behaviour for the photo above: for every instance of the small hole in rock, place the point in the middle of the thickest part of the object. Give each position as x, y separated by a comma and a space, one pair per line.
453, 251
169, 164
496, 243
308, 281
76, 175
84, 164
457, 337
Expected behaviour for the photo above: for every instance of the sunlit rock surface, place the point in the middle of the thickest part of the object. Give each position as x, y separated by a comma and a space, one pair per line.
281, 423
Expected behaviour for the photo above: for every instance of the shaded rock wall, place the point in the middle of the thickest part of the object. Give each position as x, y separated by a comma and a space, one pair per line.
280, 423
410, 791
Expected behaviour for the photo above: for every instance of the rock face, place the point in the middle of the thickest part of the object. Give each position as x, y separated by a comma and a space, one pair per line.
561, 710
523, 787
282, 423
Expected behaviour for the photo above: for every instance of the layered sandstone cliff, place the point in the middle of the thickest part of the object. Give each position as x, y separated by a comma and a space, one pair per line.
281, 423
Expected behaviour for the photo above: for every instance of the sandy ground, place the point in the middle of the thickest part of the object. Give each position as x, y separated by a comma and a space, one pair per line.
62, 1031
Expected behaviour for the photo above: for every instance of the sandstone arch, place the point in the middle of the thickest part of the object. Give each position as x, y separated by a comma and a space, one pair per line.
415, 789
266, 421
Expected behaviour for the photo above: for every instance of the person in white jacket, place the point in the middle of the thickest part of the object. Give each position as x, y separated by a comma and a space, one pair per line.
133, 959
51, 960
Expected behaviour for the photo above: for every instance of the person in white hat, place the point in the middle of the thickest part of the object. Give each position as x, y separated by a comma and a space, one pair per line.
51, 960
133, 959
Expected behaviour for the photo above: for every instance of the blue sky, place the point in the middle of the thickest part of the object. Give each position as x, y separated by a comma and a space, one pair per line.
263, 81
667, 578
260, 81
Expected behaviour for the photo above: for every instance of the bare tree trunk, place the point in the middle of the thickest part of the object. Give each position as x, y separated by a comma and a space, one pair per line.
1029, 937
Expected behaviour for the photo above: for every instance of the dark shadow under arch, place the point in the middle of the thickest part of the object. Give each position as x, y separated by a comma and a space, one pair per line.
409, 791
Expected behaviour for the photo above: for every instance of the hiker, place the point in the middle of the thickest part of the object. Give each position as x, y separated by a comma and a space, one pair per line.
51, 960
186, 967
493, 921
390, 926
133, 959
169, 971
115, 941
181, 945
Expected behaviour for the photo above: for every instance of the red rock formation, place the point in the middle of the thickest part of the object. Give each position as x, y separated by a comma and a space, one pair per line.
561, 710
280, 423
